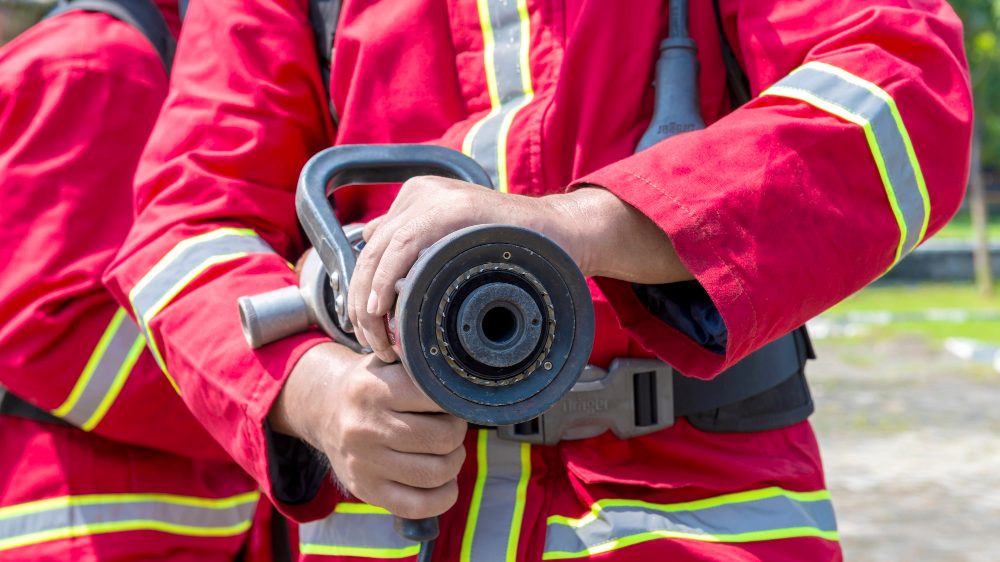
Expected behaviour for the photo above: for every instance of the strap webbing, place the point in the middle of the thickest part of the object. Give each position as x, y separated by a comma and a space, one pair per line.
736, 79
143, 15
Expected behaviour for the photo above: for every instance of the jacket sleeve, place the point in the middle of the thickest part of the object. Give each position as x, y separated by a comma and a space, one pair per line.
216, 221
854, 150
68, 151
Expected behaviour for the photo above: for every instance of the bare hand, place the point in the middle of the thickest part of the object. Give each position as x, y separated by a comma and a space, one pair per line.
591, 225
388, 443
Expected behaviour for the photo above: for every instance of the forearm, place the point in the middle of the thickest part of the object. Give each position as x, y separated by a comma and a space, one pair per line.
607, 237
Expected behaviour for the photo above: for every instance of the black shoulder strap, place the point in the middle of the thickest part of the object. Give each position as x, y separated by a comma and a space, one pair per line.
143, 15
323, 16
736, 79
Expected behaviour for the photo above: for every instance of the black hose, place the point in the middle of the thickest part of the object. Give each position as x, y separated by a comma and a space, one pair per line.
678, 24
426, 551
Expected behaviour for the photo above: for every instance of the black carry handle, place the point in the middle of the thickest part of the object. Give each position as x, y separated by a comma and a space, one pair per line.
339, 166
336, 167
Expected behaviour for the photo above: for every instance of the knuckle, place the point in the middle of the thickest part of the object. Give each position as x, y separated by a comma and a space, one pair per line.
404, 237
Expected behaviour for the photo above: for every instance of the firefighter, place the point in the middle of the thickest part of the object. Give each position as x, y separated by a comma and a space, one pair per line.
852, 151
100, 458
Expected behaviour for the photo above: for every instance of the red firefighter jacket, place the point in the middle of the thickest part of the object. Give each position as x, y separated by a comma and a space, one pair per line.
79, 94
853, 150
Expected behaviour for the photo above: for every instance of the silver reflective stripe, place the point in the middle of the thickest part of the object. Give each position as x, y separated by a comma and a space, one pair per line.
506, 39
759, 515
76, 516
183, 264
358, 530
493, 529
105, 373
861, 102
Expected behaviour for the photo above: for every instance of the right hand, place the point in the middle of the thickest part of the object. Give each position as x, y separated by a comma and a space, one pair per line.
388, 443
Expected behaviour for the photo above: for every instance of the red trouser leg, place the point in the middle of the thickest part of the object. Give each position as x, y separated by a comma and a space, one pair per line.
70, 495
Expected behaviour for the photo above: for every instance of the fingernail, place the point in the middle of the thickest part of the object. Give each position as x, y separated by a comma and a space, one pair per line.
372, 303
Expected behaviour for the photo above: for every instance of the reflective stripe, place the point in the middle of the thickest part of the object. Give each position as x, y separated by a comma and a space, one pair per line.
493, 528
355, 529
186, 261
104, 374
76, 516
491, 534
506, 40
854, 99
758, 515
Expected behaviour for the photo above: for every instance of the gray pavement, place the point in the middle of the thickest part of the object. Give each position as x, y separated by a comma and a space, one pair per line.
910, 436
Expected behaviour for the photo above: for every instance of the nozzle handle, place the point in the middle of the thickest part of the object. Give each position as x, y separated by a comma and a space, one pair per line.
417, 530
344, 165
274, 315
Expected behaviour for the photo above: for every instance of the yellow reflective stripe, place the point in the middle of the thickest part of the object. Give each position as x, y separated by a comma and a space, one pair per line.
715, 501
116, 386
355, 529
162, 284
506, 32
91, 366
74, 516
839, 93
477, 496
489, 47
121, 526
359, 552
519, 502
96, 499
775, 534
528, 93
173, 292
843, 113
898, 118
179, 249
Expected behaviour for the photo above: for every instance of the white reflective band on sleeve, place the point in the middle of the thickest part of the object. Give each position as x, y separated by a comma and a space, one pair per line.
757, 515
104, 374
358, 530
506, 39
493, 529
185, 262
863, 103
77, 516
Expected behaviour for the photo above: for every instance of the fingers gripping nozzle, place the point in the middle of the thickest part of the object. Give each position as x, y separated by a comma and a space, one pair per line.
495, 323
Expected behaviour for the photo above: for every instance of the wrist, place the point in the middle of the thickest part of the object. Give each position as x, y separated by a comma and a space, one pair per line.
297, 409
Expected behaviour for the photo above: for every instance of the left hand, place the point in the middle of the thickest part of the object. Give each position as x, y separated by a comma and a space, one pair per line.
591, 225
426, 209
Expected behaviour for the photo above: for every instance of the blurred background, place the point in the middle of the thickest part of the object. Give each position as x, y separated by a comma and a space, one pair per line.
907, 384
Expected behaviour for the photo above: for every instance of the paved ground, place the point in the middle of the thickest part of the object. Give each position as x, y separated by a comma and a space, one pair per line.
911, 440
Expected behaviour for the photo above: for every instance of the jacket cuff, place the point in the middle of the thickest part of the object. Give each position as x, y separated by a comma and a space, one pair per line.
294, 475
694, 240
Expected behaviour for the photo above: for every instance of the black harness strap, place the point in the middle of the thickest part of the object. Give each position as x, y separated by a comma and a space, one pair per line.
143, 15
736, 79
12, 405
323, 16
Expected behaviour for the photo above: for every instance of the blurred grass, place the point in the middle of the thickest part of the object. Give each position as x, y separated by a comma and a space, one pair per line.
919, 298
960, 228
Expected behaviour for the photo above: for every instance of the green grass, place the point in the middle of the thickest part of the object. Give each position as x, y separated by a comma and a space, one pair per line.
960, 228
917, 298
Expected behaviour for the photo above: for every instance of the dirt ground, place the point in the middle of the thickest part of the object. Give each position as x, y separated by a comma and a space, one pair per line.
911, 441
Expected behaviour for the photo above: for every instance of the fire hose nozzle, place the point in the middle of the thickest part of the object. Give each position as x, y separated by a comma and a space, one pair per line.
274, 315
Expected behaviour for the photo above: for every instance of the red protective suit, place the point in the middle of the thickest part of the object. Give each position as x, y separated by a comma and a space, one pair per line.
79, 94
780, 209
